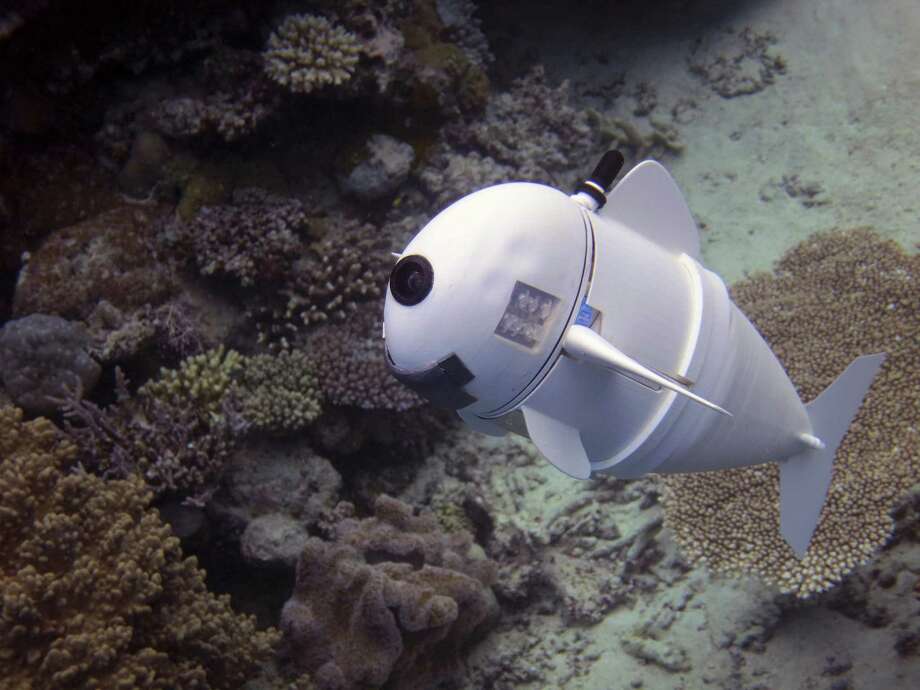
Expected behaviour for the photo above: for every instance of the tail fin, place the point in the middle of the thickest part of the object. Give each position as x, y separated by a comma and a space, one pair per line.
805, 478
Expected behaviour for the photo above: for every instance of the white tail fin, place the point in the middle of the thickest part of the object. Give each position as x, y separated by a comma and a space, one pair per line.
805, 478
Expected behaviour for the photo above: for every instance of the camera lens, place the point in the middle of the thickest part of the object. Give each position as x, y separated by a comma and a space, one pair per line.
411, 279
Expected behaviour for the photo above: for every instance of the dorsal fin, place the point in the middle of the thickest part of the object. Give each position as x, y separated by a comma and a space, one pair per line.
648, 201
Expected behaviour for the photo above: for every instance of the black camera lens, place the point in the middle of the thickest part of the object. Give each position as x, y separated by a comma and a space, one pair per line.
411, 279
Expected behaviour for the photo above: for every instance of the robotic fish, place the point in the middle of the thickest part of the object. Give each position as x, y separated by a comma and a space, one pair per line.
588, 323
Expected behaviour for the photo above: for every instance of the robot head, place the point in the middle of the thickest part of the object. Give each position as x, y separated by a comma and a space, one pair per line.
480, 298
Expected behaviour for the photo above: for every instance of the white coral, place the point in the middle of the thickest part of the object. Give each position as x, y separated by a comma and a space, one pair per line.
307, 52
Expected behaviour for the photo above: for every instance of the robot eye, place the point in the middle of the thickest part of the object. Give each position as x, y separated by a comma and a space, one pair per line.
411, 279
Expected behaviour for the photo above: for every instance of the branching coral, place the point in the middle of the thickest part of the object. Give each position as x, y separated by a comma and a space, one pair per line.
350, 366
307, 52
347, 268
279, 393
394, 600
834, 297
95, 590
176, 433
254, 238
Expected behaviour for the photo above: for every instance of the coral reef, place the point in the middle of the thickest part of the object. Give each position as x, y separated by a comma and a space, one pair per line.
350, 366
328, 284
253, 239
107, 257
278, 393
393, 600
44, 360
807, 311
738, 63
96, 592
381, 168
306, 53
176, 433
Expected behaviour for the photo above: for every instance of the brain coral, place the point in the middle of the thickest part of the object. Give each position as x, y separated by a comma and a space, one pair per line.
832, 298
95, 590
394, 600
306, 52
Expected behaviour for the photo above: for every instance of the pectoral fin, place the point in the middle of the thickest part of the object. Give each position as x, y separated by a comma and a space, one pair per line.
558, 442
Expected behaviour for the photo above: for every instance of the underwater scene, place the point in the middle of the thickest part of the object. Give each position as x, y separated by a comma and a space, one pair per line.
297, 392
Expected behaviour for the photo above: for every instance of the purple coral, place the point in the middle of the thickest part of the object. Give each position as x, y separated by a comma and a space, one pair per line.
254, 238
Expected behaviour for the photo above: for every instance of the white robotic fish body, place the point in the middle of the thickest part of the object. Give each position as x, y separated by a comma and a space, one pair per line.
595, 330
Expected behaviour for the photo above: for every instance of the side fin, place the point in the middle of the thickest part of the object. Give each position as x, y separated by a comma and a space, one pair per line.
558, 442
649, 201
804, 478
581, 343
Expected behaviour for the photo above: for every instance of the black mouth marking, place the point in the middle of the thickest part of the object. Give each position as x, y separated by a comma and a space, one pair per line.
442, 384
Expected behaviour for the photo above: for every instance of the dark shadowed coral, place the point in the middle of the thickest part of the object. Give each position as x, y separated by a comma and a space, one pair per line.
347, 268
106, 257
176, 433
95, 590
834, 297
239, 99
44, 360
349, 362
393, 600
254, 239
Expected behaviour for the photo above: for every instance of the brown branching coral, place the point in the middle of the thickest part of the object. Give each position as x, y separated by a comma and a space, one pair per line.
834, 297
95, 590
394, 600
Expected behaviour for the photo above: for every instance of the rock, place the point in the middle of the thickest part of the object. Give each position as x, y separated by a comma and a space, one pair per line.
273, 540
384, 169
42, 359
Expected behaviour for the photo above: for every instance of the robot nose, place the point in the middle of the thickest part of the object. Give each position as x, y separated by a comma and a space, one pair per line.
411, 279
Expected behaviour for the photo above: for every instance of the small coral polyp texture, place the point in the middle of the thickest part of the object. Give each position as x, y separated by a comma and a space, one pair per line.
307, 53
94, 589
832, 298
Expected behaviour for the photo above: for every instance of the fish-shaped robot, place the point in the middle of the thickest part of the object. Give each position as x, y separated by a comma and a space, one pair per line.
587, 323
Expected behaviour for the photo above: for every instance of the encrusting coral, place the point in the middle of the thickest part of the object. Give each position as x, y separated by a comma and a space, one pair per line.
393, 600
95, 590
834, 297
307, 52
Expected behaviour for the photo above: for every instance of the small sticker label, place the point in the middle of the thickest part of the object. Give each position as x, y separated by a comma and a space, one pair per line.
527, 316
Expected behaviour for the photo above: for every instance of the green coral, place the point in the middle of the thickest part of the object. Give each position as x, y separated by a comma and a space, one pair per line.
279, 393
95, 590
201, 382
307, 52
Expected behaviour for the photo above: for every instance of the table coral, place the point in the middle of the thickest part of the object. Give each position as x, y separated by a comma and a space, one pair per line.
834, 297
96, 592
308, 52
393, 600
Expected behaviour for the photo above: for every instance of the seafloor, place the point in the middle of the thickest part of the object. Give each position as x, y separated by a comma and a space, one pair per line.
198, 201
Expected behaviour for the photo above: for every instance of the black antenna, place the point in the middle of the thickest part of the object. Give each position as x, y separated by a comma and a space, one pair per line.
601, 179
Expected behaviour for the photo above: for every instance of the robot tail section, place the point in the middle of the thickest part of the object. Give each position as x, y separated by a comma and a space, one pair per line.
805, 478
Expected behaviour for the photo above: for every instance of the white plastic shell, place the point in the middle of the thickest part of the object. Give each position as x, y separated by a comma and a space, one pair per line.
519, 240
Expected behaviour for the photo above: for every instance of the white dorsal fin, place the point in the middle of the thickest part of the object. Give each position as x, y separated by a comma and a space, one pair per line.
558, 442
648, 201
